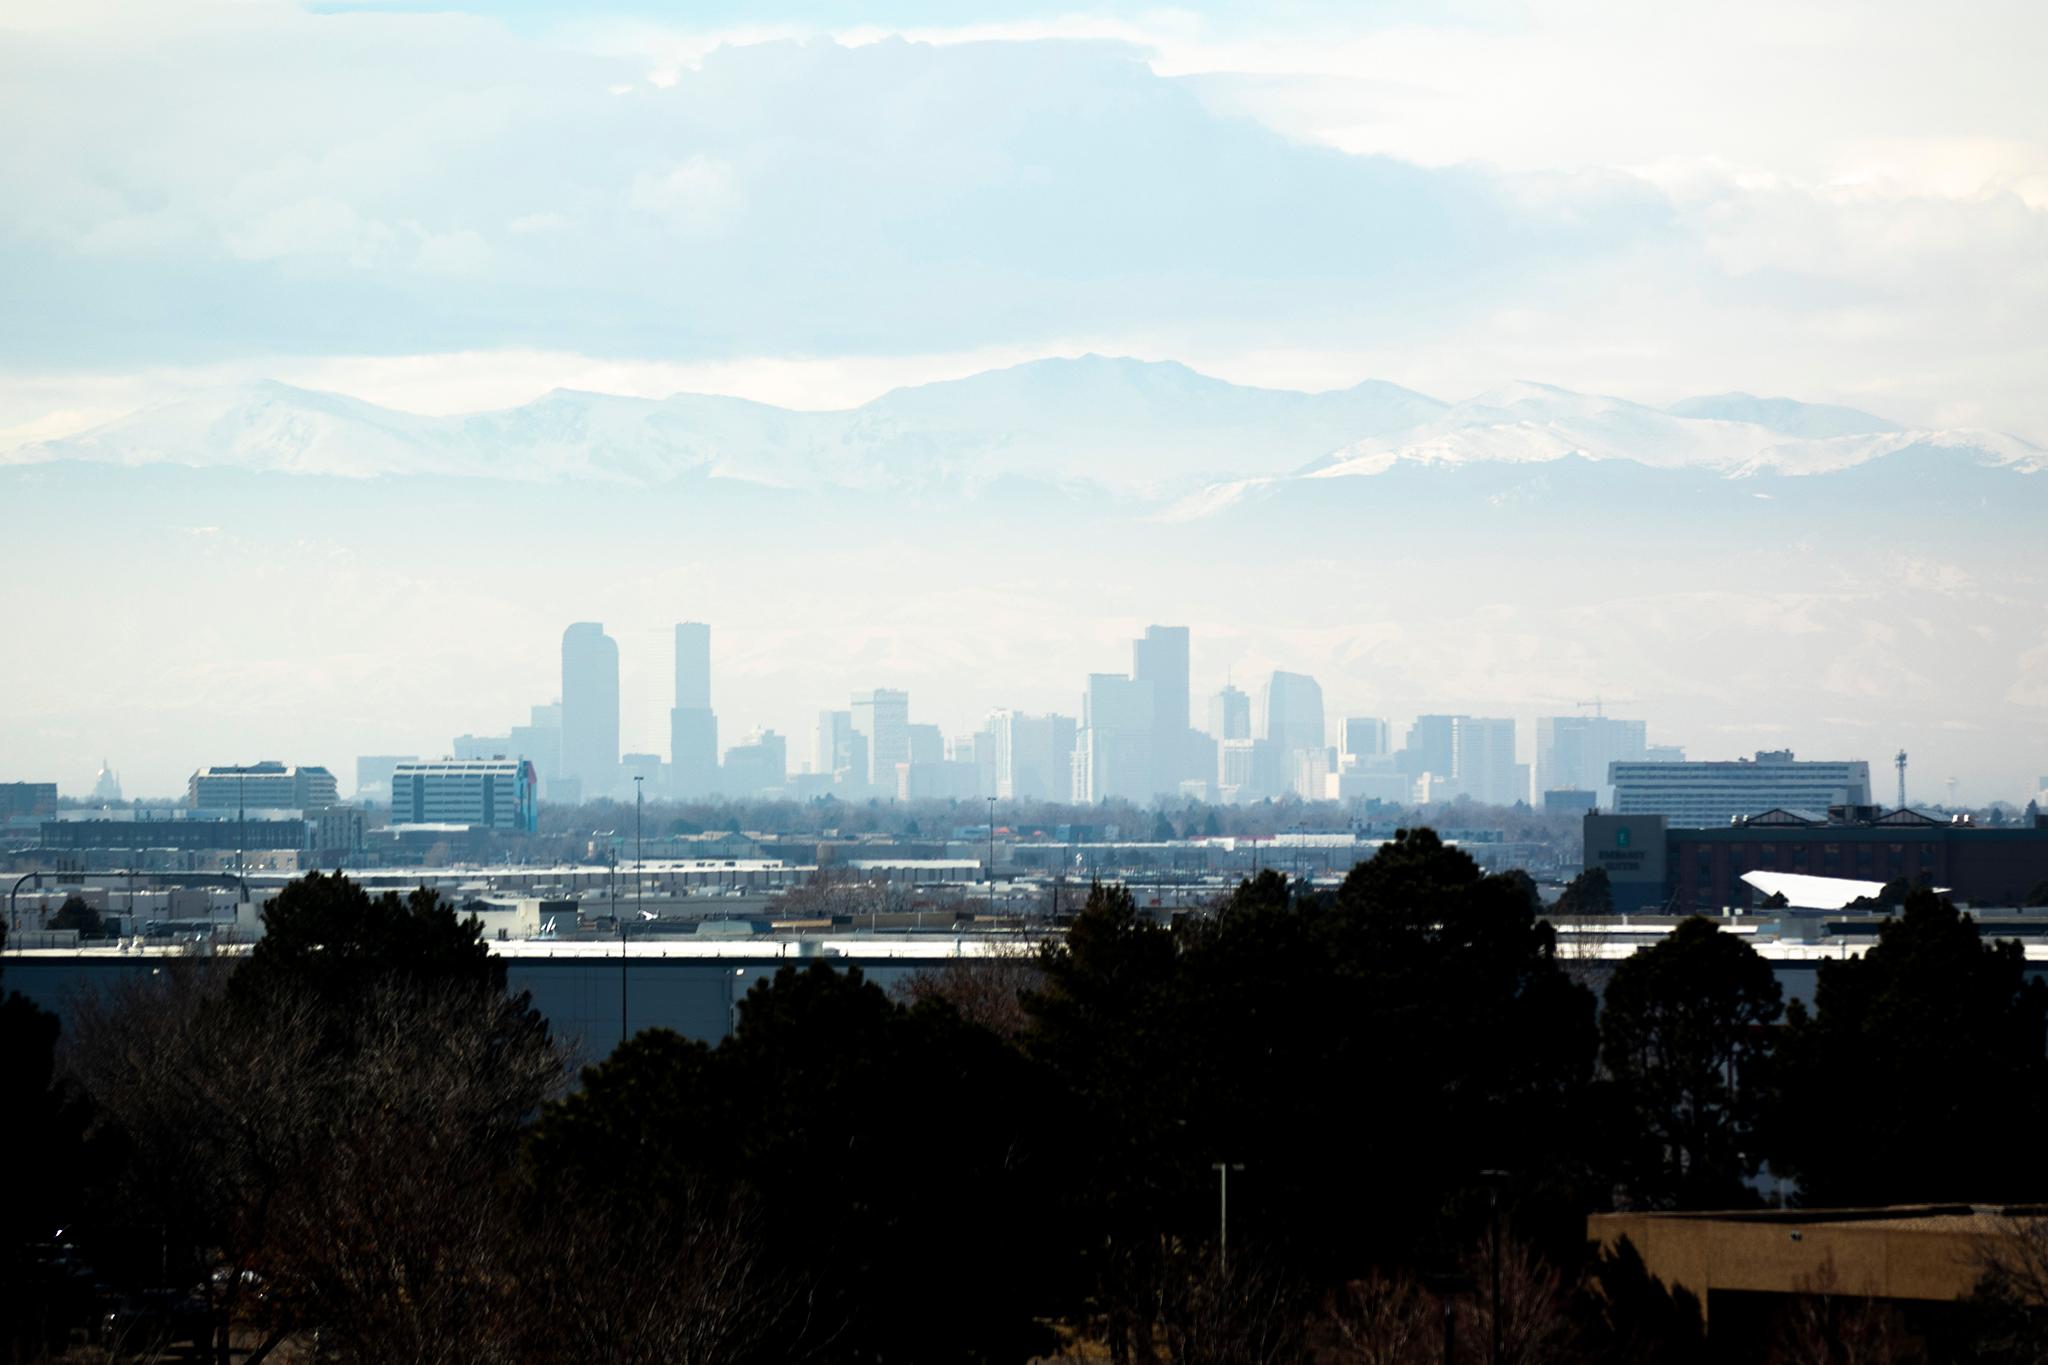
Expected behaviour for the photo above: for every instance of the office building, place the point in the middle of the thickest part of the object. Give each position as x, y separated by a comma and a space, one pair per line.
1159, 659
27, 800
1470, 756
1251, 770
756, 766
1034, 756
1715, 793
176, 829
1291, 712
590, 709
925, 744
1573, 752
1230, 715
539, 742
1113, 749
1311, 774
693, 666
338, 834
978, 751
1429, 748
1363, 737
475, 748
373, 776
106, 787
268, 785
841, 754
692, 724
1483, 765
495, 793
945, 780
651, 772
882, 719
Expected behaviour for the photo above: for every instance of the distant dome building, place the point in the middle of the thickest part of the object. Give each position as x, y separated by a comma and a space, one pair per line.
106, 789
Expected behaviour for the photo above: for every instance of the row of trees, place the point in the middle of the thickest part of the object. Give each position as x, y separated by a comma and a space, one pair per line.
358, 1134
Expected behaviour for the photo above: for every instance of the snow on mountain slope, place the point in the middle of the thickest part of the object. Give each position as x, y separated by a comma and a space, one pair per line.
1786, 416
1157, 431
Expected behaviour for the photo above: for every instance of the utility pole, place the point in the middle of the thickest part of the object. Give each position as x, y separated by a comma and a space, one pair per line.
1493, 1181
1223, 1170
638, 806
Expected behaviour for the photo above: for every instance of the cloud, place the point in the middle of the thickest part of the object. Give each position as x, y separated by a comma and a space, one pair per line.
699, 196
1311, 200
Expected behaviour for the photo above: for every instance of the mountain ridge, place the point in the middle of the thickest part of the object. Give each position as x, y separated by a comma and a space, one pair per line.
1157, 430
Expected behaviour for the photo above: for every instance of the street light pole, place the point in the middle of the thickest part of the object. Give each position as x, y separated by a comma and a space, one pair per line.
638, 806
1223, 1170
1493, 1183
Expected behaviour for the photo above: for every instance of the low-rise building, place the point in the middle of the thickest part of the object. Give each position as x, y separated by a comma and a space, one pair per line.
1651, 864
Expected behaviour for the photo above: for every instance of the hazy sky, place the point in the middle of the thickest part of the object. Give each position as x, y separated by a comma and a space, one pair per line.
448, 207
445, 209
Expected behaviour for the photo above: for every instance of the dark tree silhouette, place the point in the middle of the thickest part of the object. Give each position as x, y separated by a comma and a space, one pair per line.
323, 1134
1685, 1036
1589, 893
78, 914
864, 1137
1916, 1057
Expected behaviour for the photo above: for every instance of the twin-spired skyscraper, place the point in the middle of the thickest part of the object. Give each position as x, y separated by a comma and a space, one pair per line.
590, 712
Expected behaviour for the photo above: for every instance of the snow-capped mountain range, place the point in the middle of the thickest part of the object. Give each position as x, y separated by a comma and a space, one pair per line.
1149, 430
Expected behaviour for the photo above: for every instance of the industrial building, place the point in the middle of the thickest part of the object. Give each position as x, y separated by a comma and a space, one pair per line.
1653, 864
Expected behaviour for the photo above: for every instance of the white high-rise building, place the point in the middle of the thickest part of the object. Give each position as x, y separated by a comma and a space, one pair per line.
268, 785
882, 719
495, 793
1714, 793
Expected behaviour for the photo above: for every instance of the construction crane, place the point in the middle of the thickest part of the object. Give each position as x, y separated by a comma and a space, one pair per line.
1598, 702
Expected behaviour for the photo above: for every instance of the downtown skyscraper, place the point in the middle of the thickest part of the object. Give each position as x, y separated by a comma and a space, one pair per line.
692, 725
590, 710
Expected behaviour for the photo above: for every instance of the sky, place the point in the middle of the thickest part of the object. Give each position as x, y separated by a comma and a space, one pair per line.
455, 207
446, 207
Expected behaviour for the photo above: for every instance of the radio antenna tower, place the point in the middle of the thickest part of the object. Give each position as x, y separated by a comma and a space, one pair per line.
1901, 761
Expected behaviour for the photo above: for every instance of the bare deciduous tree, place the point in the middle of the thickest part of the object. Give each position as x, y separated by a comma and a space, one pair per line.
1381, 1320
1828, 1324
986, 991
1535, 1313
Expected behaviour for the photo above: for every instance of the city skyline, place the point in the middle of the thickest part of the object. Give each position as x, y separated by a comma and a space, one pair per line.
1521, 754
1371, 346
